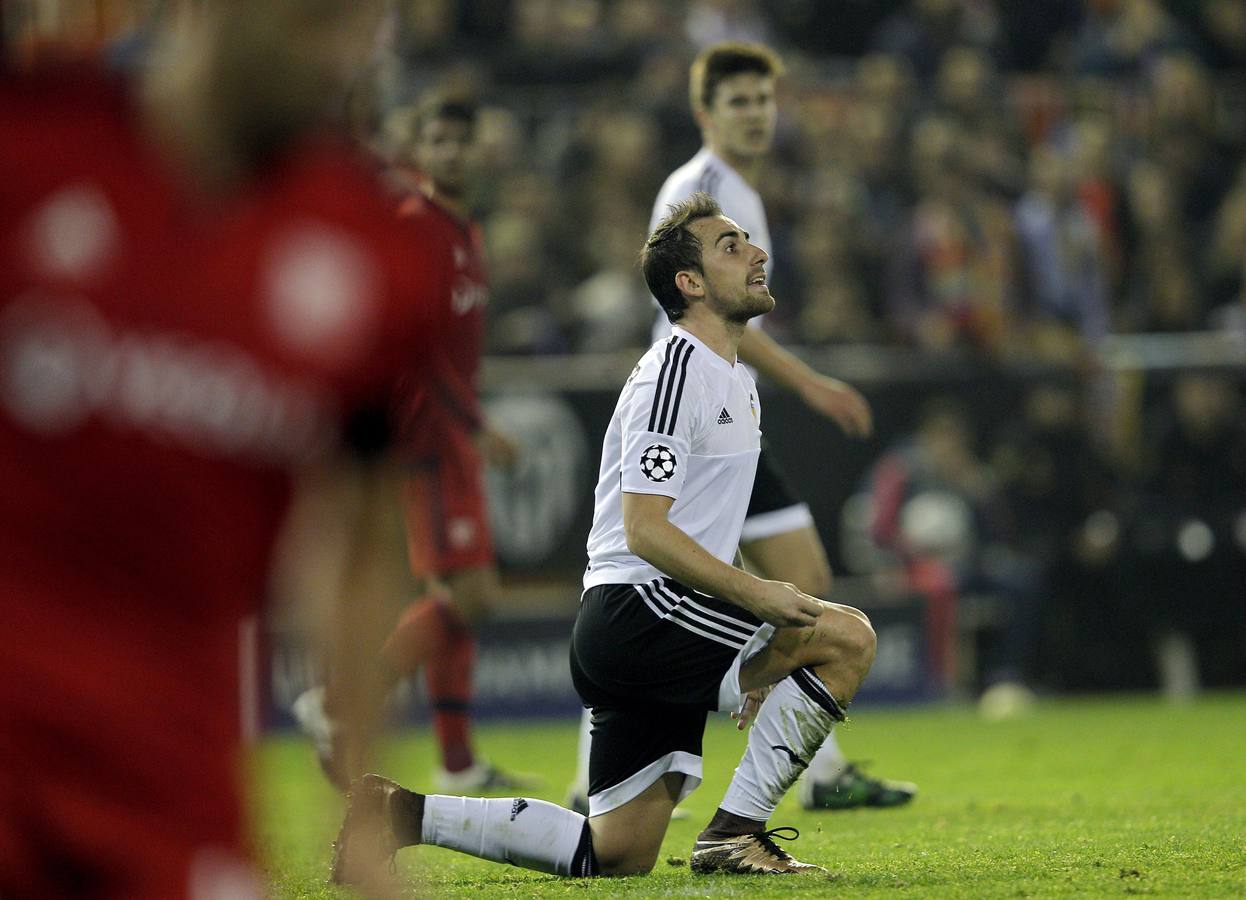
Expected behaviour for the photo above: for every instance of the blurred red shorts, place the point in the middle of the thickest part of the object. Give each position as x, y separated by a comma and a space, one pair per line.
460, 537
89, 811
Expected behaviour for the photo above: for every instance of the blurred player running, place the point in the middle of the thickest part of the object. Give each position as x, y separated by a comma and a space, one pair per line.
455, 561
732, 91
197, 300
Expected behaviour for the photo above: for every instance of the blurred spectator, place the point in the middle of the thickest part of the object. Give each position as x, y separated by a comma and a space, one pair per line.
951, 279
1161, 290
1122, 37
1066, 496
938, 510
1225, 260
715, 21
1220, 26
1188, 539
1063, 265
1181, 138
968, 95
1036, 34
926, 29
835, 312
610, 307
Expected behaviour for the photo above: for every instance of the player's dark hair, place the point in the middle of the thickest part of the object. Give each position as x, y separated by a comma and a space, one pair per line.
438, 107
721, 61
673, 248
405, 125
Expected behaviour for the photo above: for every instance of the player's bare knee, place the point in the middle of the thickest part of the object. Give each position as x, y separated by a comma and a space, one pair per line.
856, 644
845, 639
627, 865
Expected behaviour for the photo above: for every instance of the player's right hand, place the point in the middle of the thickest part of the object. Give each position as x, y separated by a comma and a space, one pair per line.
784, 605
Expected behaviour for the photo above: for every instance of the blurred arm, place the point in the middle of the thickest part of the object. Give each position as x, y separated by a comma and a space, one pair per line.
828, 396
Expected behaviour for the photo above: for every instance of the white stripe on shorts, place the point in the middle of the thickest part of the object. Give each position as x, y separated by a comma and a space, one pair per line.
684, 606
680, 617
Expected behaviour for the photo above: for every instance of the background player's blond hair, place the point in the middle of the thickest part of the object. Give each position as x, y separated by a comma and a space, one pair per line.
721, 61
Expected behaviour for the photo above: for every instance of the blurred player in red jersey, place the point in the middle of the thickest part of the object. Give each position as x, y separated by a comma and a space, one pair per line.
199, 297
453, 564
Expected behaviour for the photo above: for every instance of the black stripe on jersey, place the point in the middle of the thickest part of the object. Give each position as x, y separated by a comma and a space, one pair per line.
708, 182
657, 394
813, 688
683, 350
679, 391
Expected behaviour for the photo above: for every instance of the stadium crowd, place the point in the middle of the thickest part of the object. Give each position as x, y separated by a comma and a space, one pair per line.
1007, 183
1014, 179
1002, 183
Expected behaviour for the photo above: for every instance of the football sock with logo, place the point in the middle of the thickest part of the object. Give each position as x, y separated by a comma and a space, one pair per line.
532, 834
788, 729
829, 761
448, 676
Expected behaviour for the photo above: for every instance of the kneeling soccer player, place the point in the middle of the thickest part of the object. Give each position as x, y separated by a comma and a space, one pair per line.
668, 628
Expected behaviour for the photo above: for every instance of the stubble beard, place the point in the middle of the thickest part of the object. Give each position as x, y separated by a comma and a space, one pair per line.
750, 307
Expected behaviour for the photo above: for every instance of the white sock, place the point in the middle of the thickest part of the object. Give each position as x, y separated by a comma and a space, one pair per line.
789, 728
580, 785
828, 762
532, 834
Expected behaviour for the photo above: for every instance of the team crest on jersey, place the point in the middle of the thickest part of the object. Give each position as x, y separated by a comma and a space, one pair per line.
658, 463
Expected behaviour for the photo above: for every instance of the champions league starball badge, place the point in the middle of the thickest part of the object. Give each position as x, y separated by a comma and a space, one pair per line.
658, 463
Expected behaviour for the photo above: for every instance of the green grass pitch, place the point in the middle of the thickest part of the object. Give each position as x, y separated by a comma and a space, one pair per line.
1087, 798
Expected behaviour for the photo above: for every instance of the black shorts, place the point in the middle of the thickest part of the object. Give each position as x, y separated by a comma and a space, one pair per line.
650, 661
771, 492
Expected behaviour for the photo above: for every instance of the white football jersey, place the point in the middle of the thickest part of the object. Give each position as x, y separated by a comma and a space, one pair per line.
707, 172
687, 426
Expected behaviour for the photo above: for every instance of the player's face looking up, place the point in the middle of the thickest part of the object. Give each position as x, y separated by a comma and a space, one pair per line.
740, 120
443, 152
732, 281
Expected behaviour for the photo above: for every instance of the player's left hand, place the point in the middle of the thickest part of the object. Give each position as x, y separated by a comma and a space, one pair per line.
841, 402
752, 703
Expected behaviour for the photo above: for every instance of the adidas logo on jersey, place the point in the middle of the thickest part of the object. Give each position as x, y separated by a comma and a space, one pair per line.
724, 417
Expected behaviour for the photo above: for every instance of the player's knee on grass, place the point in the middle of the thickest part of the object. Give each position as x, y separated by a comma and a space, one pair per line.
627, 840
632, 861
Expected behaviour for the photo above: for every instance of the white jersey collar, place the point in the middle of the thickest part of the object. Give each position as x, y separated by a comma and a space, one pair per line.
714, 358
